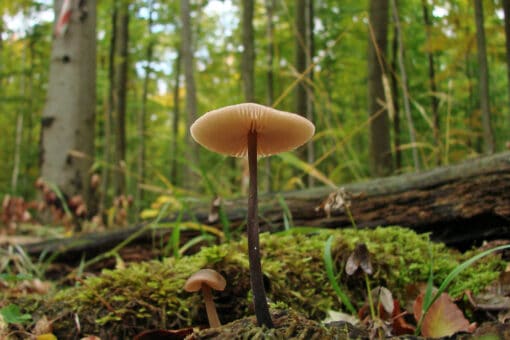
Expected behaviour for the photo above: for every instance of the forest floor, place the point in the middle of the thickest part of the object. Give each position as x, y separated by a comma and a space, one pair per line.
131, 294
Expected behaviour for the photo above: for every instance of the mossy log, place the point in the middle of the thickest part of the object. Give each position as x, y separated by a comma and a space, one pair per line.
460, 205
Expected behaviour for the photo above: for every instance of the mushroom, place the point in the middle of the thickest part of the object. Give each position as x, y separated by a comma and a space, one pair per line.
252, 130
204, 280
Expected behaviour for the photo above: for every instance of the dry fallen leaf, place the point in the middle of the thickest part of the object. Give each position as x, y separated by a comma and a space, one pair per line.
360, 257
443, 318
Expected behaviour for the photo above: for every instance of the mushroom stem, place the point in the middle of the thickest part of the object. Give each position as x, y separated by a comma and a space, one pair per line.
256, 279
210, 308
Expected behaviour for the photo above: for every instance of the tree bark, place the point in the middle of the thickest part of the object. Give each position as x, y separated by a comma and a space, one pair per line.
381, 162
270, 5
248, 61
191, 100
300, 56
434, 104
404, 84
247, 71
488, 136
303, 59
69, 115
396, 105
174, 169
461, 205
309, 41
142, 115
506, 10
120, 94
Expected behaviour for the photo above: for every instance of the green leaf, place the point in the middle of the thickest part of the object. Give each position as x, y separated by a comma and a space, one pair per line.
12, 314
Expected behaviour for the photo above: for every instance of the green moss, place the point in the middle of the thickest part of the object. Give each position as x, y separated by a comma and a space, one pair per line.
150, 295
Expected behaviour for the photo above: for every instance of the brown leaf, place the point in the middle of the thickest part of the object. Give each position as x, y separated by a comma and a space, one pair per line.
164, 334
443, 318
360, 257
399, 325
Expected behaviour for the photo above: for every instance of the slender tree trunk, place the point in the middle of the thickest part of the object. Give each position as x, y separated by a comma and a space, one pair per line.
26, 185
247, 72
488, 136
300, 55
120, 95
396, 105
17, 152
309, 40
381, 162
506, 10
270, 5
248, 61
303, 60
404, 82
19, 131
108, 117
174, 173
191, 101
434, 104
69, 115
143, 114
1, 49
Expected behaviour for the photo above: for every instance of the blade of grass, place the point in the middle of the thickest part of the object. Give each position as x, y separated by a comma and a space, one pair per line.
328, 263
287, 215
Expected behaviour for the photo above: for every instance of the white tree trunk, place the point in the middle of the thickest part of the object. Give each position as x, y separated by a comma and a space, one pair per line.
69, 114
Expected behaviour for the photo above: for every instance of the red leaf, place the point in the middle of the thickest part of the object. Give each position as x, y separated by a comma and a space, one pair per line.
443, 318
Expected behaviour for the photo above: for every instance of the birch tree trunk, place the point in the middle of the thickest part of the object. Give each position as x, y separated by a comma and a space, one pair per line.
69, 115
488, 136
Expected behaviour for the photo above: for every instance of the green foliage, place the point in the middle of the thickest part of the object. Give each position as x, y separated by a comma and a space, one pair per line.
11, 314
339, 84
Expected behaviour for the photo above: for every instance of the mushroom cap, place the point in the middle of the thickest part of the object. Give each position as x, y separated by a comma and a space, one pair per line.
225, 130
209, 277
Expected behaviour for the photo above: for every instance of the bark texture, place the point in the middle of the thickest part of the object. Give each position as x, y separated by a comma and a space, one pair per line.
69, 115
191, 97
488, 136
120, 94
380, 150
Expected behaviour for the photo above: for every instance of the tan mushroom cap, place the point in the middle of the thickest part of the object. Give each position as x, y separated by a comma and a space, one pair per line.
209, 277
225, 130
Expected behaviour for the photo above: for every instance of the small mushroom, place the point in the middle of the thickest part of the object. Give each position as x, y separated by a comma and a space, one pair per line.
205, 280
252, 130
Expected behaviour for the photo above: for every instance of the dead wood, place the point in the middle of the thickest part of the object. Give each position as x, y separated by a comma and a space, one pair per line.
460, 205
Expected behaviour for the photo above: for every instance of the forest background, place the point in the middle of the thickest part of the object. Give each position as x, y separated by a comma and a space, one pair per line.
100, 107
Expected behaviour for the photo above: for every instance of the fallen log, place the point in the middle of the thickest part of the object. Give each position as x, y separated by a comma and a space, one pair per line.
461, 205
